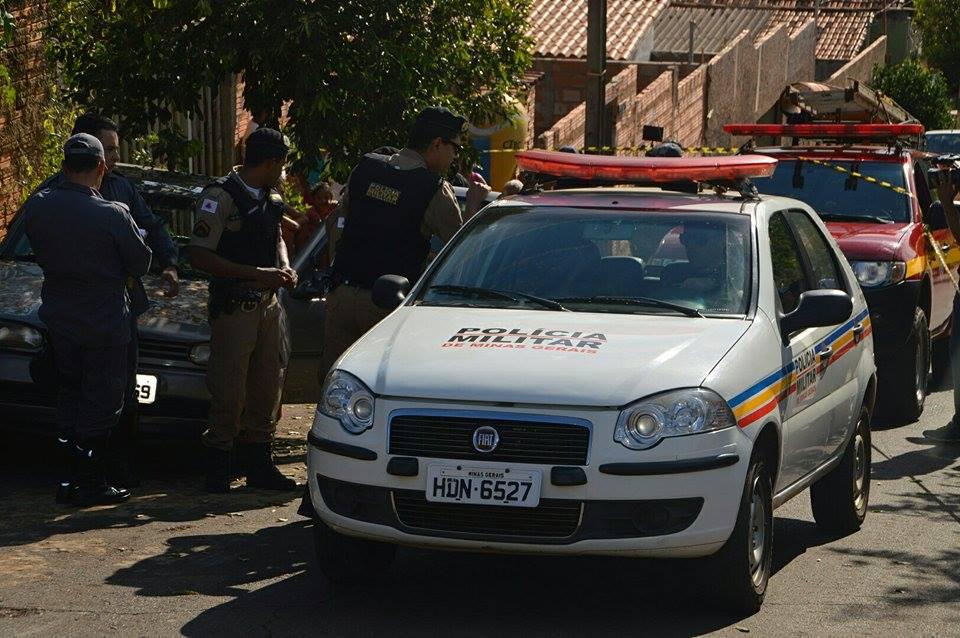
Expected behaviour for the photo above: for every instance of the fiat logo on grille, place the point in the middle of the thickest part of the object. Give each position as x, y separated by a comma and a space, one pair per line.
485, 439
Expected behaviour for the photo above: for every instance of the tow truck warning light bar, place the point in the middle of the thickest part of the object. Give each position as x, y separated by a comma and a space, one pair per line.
814, 131
622, 170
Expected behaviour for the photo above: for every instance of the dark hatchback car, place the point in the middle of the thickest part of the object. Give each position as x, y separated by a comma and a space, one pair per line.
174, 335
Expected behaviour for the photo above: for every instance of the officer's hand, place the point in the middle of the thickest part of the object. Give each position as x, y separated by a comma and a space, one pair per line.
293, 277
476, 196
171, 281
273, 278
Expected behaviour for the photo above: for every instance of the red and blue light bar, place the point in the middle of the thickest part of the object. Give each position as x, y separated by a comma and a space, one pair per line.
619, 169
829, 131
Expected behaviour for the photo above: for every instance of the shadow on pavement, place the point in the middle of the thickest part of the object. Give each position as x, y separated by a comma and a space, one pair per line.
170, 491
933, 458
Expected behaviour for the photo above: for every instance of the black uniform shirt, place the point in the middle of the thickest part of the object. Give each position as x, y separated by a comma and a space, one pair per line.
87, 247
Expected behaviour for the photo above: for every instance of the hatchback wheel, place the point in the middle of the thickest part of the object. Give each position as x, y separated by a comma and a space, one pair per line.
741, 569
840, 498
905, 377
349, 560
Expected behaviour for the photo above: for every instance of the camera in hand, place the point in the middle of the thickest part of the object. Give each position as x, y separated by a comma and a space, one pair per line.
945, 168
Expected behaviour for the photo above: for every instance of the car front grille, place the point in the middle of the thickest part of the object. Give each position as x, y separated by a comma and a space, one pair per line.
451, 437
164, 350
550, 519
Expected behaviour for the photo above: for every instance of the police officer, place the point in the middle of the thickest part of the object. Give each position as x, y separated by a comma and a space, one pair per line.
117, 188
87, 247
391, 208
236, 239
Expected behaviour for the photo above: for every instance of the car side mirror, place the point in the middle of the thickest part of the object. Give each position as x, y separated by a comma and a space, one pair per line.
389, 291
817, 308
935, 217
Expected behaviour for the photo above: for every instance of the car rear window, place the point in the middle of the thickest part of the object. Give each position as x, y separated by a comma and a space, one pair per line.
832, 192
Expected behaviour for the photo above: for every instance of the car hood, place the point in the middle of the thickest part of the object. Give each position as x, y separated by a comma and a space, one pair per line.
20, 284
522, 356
860, 240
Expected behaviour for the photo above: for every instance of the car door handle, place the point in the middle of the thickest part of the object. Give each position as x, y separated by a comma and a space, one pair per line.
945, 247
823, 357
858, 332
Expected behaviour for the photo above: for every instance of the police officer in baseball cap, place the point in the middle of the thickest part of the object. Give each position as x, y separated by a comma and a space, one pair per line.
88, 247
391, 208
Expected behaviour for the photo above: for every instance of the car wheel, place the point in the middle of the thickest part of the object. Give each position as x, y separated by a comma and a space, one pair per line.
906, 376
741, 569
840, 498
348, 560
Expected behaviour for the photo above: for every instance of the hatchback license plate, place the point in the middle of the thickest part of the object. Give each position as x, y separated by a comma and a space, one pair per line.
483, 486
146, 388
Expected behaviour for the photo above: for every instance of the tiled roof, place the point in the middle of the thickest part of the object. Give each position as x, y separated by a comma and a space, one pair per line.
559, 27
841, 34
716, 27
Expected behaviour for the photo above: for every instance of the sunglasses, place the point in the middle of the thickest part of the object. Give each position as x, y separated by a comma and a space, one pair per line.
456, 147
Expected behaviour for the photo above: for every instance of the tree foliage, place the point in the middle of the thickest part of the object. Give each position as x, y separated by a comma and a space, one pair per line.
939, 24
353, 72
922, 91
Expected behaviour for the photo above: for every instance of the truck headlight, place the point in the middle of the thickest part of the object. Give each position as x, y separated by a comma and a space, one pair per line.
677, 413
200, 354
345, 398
873, 274
18, 336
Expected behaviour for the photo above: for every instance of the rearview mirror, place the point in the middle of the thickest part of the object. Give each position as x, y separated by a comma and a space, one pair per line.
389, 291
817, 308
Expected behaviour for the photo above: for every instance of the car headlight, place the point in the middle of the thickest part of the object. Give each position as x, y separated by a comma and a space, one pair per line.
345, 398
18, 336
200, 354
872, 274
678, 413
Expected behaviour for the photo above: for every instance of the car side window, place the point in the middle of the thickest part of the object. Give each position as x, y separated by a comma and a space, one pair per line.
824, 269
788, 275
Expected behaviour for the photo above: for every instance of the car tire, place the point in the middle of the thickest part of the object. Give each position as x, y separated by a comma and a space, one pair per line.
906, 377
346, 560
741, 570
840, 498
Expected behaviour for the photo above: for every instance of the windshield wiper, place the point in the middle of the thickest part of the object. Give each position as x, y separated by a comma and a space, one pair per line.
490, 293
841, 217
636, 301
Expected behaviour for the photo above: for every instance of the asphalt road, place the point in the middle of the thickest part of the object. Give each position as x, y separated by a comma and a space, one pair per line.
175, 560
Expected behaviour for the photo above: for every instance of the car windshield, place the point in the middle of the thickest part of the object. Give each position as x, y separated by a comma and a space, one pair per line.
583, 260
837, 194
943, 142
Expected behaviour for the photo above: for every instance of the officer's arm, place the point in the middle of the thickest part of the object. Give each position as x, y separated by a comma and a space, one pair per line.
158, 238
283, 258
210, 262
948, 192
136, 255
442, 217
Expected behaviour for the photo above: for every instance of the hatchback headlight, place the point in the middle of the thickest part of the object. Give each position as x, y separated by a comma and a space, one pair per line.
873, 274
345, 398
677, 413
200, 354
18, 336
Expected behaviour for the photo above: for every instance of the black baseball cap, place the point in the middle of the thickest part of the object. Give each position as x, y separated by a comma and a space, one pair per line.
437, 121
270, 141
83, 144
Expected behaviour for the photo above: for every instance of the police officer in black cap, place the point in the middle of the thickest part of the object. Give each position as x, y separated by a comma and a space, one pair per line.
237, 240
88, 247
392, 207
118, 188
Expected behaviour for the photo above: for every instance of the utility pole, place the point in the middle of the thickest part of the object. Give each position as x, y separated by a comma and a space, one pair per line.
596, 72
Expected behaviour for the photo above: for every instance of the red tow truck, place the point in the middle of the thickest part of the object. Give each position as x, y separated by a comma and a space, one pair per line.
870, 187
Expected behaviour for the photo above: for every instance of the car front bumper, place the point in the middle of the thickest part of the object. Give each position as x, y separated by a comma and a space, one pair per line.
677, 499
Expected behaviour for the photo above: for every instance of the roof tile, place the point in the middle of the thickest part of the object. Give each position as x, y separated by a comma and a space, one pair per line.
559, 27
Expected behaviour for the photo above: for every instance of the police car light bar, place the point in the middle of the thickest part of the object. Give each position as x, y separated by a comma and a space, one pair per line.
858, 131
622, 170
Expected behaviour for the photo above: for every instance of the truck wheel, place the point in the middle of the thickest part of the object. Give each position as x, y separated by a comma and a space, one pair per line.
840, 498
348, 560
905, 377
740, 571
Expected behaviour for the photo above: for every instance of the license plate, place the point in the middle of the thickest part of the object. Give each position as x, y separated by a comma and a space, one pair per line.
146, 388
483, 486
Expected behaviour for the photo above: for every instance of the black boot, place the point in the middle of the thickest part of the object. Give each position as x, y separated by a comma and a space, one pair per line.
217, 479
66, 469
92, 487
261, 472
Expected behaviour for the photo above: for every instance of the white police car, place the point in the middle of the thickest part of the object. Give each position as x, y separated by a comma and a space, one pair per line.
621, 371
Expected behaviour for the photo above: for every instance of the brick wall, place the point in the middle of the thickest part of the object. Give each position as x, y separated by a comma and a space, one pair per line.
562, 89
21, 123
861, 66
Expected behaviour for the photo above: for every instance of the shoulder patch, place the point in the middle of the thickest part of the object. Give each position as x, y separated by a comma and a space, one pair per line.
201, 229
209, 205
